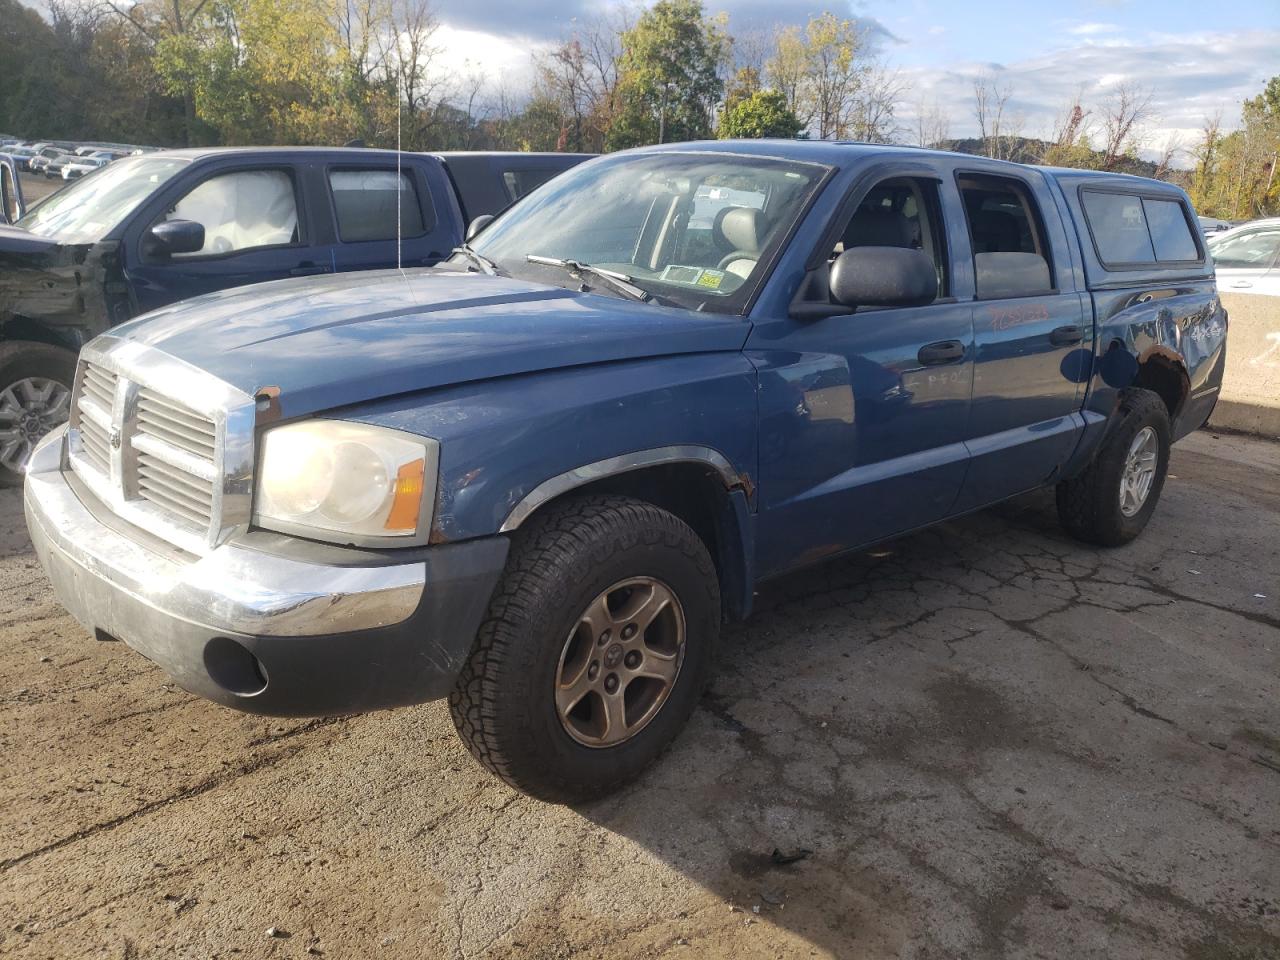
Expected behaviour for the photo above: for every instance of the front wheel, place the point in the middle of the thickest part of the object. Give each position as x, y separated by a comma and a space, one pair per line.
598, 643
35, 397
1111, 501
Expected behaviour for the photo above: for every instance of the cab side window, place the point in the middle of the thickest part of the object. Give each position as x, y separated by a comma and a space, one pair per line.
902, 212
1010, 255
241, 211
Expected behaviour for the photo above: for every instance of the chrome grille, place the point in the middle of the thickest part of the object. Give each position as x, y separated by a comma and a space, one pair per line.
162, 443
188, 496
92, 415
176, 449
185, 429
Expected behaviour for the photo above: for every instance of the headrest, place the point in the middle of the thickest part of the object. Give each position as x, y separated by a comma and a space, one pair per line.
996, 231
876, 227
1010, 274
741, 228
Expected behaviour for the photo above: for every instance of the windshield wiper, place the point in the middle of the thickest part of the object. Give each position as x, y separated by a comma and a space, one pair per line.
619, 282
486, 265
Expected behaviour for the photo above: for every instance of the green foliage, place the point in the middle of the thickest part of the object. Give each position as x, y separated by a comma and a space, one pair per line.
763, 114
1236, 175
670, 75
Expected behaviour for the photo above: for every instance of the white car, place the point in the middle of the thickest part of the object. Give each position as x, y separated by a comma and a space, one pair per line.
1247, 259
84, 165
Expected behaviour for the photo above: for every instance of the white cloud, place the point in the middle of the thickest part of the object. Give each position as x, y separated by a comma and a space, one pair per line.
1092, 29
1190, 77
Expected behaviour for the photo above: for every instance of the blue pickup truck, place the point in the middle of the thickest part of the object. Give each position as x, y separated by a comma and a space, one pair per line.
536, 479
154, 229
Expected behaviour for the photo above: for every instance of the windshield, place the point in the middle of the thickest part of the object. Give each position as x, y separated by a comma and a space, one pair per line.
697, 230
1251, 248
90, 208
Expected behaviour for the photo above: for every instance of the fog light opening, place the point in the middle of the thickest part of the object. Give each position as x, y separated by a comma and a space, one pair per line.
234, 668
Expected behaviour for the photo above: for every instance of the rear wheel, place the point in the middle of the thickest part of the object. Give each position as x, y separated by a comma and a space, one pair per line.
35, 397
1111, 501
597, 645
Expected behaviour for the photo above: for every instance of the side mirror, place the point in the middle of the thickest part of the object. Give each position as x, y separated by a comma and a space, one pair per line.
478, 224
176, 236
11, 206
883, 277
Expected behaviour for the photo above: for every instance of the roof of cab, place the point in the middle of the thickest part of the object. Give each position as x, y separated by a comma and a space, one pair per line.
837, 151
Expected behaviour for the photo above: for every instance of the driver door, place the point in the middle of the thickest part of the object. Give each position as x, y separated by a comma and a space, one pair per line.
862, 416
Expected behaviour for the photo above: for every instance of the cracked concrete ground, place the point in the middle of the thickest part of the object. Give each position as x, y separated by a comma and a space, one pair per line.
996, 743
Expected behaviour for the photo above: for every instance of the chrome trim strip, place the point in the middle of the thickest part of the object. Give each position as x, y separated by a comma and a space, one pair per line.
231, 589
550, 489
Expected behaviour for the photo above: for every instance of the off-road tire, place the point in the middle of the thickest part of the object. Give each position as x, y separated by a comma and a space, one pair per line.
25, 359
1089, 504
503, 705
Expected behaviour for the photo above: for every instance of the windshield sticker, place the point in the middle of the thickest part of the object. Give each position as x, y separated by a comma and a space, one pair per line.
693, 276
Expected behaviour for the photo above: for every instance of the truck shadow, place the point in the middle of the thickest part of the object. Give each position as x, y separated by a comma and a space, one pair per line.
856, 781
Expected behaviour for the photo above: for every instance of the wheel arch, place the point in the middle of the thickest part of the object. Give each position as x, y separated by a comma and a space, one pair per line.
1164, 373
697, 484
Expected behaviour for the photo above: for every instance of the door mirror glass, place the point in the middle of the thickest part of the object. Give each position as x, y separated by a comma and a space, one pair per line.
478, 224
176, 236
883, 277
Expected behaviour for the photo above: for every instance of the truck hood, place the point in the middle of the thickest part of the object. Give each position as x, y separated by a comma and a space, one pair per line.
333, 341
14, 240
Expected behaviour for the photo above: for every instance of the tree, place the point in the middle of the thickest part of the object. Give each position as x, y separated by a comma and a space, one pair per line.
821, 71
998, 130
763, 114
670, 75
1125, 112
933, 126
1070, 143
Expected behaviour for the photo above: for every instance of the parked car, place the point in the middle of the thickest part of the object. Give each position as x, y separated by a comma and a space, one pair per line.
53, 169
21, 156
43, 157
150, 230
1247, 258
86, 164
536, 478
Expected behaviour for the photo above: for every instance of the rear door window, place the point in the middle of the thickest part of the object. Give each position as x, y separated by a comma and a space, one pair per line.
365, 203
1119, 227
1128, 229
1170, 232
1010, 254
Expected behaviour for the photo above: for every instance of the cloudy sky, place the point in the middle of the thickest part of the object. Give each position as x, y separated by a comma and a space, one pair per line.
1194, 57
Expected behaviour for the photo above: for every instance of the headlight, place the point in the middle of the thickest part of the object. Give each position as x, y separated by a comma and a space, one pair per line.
346, 482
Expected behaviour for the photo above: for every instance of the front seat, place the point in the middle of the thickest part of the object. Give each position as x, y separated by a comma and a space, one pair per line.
878, 227
741, 229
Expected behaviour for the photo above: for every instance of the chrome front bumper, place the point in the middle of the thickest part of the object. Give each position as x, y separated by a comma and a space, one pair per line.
258, 630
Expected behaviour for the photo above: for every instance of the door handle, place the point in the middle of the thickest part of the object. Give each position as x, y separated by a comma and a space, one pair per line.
307, 269
1065, 336
944, 351
1242, 283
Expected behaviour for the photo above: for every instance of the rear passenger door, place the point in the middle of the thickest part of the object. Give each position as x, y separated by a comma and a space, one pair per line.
1028, 334
372, 204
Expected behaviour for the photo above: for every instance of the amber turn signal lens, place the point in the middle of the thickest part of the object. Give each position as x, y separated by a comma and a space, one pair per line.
407, 499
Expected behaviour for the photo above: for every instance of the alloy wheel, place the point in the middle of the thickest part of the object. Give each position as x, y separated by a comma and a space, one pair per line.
29, 408
620, 662
1139, 471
